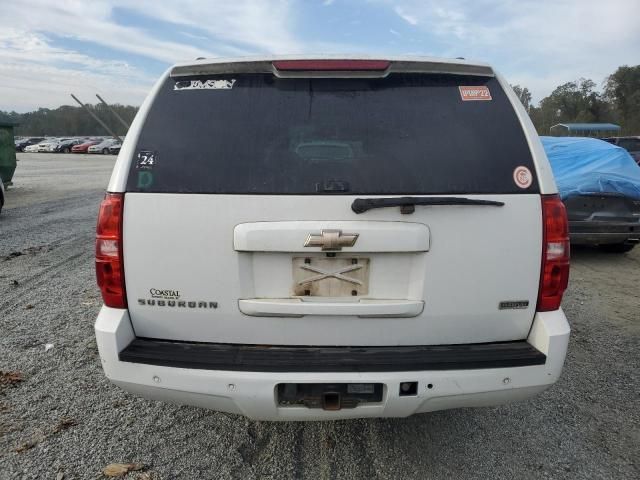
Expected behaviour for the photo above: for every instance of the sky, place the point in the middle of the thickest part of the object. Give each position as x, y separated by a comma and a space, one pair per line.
118, 48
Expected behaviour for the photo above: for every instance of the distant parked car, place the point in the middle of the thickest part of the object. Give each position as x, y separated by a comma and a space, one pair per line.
83, 147
25, 142
115, 149
35, 147
102, 147
630, 144
65, 145
600, 187
51, 145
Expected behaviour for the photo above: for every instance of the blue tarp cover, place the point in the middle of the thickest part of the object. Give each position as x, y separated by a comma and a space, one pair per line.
589, 165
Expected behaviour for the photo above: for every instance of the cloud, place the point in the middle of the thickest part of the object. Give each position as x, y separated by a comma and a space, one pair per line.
117, 47
53, 86
543, 42
407, 17
253, 25
26, 54
92, 22
34, 74
17, 45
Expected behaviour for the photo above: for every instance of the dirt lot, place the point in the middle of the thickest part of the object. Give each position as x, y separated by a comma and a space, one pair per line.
58, 414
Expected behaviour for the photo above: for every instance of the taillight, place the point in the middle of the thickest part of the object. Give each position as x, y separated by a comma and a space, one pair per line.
109, 262
331, 65
554, 275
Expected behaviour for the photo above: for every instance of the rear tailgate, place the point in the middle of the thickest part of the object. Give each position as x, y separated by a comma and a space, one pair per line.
476, 259
239, 227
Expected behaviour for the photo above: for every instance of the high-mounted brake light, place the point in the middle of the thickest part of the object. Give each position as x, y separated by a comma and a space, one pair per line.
331, 65
554, 275
109, 261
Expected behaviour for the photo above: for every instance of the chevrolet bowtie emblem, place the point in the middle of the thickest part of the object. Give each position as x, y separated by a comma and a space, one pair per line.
331, 240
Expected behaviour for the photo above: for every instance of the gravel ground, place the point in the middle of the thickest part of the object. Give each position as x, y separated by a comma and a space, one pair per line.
65, 418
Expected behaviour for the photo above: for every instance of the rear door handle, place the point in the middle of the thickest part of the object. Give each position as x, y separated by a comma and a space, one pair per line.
294, 307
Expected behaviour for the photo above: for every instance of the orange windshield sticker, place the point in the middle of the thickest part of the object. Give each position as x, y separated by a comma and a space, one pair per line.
475, 93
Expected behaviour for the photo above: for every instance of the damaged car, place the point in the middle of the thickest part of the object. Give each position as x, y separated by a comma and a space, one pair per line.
599, 184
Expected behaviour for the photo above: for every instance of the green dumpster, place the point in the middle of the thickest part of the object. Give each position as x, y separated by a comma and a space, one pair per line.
7, 152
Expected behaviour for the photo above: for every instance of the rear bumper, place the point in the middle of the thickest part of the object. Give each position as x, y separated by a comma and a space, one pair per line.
603, 232
252, 393
300, 359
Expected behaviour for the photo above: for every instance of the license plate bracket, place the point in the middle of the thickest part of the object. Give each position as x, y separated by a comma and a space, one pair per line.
317, 276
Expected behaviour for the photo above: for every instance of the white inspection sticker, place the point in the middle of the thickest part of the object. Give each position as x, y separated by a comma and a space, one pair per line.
204, 84
522, 176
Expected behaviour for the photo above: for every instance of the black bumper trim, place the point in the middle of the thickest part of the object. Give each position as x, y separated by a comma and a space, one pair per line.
262, 358
630, 227
602, 232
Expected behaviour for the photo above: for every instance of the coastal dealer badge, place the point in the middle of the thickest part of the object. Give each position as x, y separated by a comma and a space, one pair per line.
171, 298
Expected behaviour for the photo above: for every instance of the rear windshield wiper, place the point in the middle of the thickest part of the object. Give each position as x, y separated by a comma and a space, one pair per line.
407, 204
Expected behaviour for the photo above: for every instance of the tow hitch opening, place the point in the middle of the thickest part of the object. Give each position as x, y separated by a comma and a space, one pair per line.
331, 401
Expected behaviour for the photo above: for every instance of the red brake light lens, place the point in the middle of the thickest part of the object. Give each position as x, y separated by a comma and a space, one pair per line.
331, 65
109, 261
554, 276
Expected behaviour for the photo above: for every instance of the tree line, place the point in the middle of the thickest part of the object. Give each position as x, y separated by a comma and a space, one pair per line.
573, 102
70, 120
580, 102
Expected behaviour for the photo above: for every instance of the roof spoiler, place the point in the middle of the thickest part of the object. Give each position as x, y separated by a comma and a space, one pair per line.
270, 66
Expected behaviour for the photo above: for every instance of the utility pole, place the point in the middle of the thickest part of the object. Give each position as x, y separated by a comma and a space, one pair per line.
96, 118
115, 114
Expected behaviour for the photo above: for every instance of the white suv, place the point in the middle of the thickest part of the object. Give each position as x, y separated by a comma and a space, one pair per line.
325, 238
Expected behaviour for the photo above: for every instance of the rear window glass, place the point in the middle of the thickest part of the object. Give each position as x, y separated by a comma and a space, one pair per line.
630, 144
258, 134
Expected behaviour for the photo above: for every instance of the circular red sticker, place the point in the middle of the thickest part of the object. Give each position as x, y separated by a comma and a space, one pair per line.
522, 176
